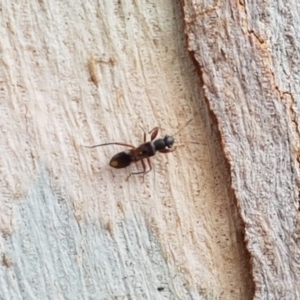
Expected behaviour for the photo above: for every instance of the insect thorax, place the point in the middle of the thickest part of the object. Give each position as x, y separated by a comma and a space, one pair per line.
148, 150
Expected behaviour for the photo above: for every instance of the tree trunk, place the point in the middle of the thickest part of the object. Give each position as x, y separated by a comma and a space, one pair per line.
77, 74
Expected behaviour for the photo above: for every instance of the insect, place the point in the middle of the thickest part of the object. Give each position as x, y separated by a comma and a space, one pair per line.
143, 152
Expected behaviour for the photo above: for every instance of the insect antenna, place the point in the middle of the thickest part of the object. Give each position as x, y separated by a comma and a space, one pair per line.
182, 143
185, 125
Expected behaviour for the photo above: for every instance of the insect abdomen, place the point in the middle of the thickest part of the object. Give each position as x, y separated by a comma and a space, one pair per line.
121, 160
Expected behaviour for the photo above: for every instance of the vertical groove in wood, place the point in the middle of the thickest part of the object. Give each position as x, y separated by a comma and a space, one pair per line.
77, 73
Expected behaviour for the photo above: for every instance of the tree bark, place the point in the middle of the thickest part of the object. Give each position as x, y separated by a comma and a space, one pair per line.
248, 56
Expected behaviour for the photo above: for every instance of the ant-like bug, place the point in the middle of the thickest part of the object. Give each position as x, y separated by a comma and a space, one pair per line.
144, 151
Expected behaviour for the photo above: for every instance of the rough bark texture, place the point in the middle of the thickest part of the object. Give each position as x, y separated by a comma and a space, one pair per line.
249, 58
77, 73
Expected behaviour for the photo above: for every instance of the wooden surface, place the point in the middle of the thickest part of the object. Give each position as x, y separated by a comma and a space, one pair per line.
77, 73
249, 58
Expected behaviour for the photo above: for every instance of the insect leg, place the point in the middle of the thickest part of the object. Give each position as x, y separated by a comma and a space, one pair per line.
120, 144
144, 169
150, 165
167, 150
154, 133
144, 133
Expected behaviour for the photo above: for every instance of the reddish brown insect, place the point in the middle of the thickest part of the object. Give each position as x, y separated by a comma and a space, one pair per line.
142, 152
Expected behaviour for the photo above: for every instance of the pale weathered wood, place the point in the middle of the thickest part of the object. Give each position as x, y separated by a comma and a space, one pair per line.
249, 58
79, 73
